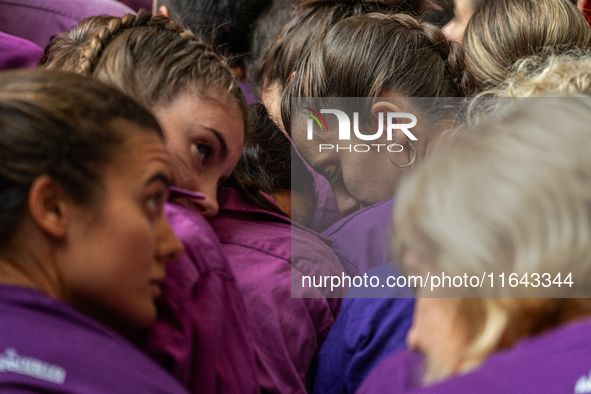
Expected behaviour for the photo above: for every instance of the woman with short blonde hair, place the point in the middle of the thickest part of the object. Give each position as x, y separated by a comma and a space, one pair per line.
511, 196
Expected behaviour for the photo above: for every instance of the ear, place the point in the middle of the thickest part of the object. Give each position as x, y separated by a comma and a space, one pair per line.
429, 5
292, 76
385, 107
239, 72
47, 204
164, 11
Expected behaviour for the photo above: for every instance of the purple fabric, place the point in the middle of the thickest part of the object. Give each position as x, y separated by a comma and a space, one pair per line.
361, 239
326, 211
201, 334
79, 355
554, 362
16, 52
249, 92
39, 20
366, 331
369, 328
137, 4
287, 331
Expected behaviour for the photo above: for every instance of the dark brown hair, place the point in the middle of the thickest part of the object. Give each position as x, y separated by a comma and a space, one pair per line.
311, 20
268, 158
369, 55
61, 125
268, 163
225, 24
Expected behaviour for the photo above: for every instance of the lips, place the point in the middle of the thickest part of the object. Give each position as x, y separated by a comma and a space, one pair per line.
156, 285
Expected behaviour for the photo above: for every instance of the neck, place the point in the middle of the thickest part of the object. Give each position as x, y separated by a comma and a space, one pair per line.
27, 270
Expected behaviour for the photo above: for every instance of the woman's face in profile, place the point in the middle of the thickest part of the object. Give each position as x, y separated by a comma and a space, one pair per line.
360, 172
436, 331
205, 136
119, 246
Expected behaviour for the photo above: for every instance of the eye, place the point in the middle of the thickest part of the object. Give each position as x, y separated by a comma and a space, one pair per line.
335, 177
155, 202
204, 150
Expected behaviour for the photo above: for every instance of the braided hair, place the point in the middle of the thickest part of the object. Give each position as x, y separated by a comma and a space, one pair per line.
148, 56
154, 60
312, 18
374, 54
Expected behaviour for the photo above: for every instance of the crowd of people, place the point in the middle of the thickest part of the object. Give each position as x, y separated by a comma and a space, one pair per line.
193, 197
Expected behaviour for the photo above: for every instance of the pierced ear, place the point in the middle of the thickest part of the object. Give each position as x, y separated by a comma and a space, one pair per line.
163, 10
47, 200
385, 107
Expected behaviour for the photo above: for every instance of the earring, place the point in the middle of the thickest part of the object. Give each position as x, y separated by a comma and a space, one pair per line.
414, 156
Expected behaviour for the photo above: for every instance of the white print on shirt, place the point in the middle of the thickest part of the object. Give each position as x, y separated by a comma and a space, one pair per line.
583, 384
10, 361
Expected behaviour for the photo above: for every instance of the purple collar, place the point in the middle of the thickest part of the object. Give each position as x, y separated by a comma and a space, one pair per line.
233, 204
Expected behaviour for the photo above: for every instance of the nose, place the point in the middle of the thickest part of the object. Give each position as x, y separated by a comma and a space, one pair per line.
168, 247
345, 202
209, 206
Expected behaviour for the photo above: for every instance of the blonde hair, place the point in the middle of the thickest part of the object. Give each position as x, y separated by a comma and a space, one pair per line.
567, 73
554, 75
513, 196
501, 32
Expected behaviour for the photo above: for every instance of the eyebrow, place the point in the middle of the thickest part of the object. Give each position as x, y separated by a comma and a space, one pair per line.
159, 177
222, 141
320, 164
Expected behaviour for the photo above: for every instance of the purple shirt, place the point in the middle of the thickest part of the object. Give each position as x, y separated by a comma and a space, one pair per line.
361, 239
137, 4
368, 328
16, 52
287, 331
202, 335
326, 211
47, 346
39, 20
558, 361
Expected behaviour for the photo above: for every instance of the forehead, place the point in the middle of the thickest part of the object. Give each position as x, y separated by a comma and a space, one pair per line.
213, 108
141, 148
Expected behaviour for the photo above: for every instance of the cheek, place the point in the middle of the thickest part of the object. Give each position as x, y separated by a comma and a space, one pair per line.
118, 278
414, 337
368, 178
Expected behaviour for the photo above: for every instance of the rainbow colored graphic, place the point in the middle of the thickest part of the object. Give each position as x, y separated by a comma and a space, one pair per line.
315, 115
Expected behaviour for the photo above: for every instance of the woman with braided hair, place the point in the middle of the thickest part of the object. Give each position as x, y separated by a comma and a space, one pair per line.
383, 62
202, 336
